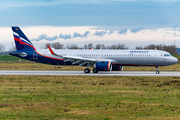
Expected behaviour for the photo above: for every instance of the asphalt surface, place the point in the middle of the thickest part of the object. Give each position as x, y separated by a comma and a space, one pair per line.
81, 73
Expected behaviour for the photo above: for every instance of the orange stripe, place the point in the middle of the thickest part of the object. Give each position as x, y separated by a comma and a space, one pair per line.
108, 65
17, 39
49, 57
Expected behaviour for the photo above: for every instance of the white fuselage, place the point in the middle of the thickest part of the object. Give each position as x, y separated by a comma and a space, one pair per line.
121, 57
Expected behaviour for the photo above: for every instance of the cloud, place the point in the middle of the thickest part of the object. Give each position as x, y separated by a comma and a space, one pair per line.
124, 31
135, 30
80, 35
77, 35
43, 36
111, 31
66, 36
101, 33
52, 38
86, 33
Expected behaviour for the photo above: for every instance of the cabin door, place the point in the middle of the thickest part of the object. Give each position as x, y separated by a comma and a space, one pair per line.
34, 55
156, 56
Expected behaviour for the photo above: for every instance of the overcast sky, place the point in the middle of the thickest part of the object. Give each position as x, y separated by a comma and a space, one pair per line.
132, 22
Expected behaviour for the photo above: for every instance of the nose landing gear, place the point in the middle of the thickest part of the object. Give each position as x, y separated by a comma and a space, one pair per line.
157, 71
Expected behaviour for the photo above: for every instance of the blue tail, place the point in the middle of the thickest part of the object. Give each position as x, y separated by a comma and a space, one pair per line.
21, 41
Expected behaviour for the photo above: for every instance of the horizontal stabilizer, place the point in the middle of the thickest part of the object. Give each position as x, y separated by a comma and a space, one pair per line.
20, 53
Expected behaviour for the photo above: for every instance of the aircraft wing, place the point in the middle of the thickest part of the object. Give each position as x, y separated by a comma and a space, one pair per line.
75, 59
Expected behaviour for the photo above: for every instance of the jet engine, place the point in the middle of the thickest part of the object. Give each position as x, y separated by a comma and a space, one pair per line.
104, 66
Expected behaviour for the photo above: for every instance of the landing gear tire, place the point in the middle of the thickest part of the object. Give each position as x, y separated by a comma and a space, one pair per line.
87, 71
95, 70
157, 72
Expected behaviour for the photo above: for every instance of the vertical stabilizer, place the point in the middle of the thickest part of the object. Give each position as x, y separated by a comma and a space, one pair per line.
21, 41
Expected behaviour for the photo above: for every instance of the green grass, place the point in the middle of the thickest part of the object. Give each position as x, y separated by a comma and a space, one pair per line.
176, 55
10, 58
84, 97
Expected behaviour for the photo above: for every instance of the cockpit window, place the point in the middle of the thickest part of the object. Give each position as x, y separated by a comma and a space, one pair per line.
167, 55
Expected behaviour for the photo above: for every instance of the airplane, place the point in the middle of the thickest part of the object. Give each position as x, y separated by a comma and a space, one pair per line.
99, 60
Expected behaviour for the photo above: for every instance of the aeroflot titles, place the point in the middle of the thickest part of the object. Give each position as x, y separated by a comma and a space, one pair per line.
143, 52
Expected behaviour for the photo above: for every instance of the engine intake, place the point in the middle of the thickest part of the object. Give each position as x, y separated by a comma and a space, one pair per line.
104, 66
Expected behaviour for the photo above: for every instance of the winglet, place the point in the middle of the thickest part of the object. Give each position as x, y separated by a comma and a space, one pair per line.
50, 50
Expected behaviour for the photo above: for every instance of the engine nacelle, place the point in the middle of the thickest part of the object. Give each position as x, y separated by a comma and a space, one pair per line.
104, 66
117, 68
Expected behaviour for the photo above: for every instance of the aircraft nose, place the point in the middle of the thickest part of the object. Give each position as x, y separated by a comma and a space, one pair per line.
175, 60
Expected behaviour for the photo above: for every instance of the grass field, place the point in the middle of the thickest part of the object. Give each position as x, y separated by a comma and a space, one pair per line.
105, 98
87, 97
6, 58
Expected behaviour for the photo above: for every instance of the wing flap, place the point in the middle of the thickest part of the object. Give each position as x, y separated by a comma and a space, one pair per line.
79, 58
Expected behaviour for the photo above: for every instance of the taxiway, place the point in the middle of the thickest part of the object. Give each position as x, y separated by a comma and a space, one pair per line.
81, 73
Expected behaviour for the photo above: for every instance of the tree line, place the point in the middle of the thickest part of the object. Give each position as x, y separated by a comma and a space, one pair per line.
57, 45
169, 48
172, 49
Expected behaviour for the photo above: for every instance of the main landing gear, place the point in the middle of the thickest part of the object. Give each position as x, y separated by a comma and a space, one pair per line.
95, 70
157, 71
88, 70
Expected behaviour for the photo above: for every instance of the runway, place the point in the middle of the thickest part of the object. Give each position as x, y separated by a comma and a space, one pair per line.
81, 73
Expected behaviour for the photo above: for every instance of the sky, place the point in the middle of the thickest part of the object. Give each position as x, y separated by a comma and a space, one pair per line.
130, 22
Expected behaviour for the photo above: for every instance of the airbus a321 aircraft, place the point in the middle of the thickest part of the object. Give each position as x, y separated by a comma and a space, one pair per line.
100, 60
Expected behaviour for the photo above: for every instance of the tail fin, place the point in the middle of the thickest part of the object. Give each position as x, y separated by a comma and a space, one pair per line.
21, 41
